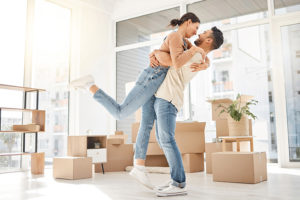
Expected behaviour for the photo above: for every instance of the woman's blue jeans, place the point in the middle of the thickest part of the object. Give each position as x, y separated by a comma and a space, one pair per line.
146, 85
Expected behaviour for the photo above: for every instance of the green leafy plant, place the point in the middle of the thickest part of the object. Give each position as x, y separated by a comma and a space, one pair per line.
236, 111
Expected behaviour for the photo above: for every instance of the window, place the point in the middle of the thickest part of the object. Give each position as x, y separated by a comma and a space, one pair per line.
51, 64
145, 28
134, 60
12, 51
286, 6
229, 12
241, 64
270, 97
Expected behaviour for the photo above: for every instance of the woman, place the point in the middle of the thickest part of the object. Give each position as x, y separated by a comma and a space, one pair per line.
151, 78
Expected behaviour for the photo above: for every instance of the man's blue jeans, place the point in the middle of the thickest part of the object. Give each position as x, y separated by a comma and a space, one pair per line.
164, 113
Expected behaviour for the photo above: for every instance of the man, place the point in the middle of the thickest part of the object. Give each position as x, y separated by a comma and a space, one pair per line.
163, 108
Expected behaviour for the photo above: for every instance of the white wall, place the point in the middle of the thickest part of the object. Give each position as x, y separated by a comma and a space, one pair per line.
95, 56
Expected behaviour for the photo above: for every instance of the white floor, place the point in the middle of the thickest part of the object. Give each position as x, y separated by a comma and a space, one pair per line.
281, 184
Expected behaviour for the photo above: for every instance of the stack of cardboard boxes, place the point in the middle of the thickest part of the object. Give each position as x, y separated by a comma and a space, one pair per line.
119, 154
232, 166
190, 141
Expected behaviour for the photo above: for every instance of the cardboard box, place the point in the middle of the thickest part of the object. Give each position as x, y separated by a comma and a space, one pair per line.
225, 102
239, 167
118, 158
119, 133
27, 127
154, 149
72, 167
115, 141
193, 162
189, 137
212, 148
123, 137
135, 129
222, 127
156, 161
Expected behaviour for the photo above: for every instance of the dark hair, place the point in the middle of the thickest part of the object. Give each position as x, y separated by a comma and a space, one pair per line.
184, 18
218, 38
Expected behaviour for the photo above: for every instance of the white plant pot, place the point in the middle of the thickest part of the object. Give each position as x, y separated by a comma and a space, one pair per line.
238, 128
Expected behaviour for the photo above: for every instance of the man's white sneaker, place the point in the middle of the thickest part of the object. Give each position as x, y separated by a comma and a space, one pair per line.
171, 191
141, 175
84, 82
163, 186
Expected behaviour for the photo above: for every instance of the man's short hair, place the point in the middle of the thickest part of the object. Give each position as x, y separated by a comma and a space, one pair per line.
218, 38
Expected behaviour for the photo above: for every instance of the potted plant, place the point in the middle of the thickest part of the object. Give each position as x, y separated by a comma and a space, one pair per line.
239, 111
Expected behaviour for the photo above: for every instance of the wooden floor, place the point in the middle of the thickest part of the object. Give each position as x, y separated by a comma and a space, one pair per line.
281, 184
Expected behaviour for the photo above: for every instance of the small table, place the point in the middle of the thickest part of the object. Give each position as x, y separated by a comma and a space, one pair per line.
236, 139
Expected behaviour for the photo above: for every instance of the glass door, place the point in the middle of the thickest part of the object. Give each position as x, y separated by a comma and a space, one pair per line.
286, 65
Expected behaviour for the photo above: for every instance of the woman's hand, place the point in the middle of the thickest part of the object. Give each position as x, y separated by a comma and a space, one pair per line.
196, 67
153, 61
199, 50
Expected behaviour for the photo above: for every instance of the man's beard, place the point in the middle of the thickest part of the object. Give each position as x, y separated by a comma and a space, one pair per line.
198, 42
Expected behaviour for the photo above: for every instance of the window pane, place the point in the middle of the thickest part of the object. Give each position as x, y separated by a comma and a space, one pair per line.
230, 12
146, 27
241, 65
12, 48
129, 65
51, 71
291, 60
286, 6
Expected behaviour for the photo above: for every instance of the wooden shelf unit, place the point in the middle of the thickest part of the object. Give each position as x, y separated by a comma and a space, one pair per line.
38, 117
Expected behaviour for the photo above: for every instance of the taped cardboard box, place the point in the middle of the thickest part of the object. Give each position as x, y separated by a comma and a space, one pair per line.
124, 137
189, 138
239, 167
156, 161
193, 162
72, 167
212, 148
115, 141
154, 149
135, 129
118, 158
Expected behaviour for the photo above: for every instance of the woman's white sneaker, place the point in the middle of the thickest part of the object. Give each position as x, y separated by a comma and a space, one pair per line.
171, 191
84, 82
140, 174
163, 186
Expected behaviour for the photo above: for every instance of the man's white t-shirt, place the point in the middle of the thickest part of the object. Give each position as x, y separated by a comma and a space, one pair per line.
172, 88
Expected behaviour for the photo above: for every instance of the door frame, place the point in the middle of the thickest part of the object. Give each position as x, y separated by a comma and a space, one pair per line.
279, 86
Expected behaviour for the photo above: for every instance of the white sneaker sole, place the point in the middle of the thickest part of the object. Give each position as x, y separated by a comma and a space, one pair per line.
160, 194
136, 178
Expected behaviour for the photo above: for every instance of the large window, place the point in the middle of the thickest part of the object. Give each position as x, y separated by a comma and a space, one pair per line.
286, 6
12, 50
229, 11
132, 60
241, 65
50, 69
291, 60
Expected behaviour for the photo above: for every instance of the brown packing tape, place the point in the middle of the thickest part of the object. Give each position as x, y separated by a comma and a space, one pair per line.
124, 137
119, 133
115, 141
